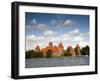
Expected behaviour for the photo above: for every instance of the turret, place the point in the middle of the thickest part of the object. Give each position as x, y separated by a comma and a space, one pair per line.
77, 50
60, 45
37, 48
50, 44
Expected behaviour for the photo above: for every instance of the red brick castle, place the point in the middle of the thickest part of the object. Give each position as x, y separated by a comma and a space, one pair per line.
58, 50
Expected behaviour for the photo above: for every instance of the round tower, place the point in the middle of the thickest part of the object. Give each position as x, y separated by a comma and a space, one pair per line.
77, 50
60, 47
50, 44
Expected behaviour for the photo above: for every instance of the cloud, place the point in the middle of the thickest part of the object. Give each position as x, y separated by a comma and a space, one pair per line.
49, 33
85, 34
78, 38
33, 40
30, 41
68, 22
34, 21
42, 27
60, 23
83, 43
54, 21
70, 38
30, 37
35, 25
74, 32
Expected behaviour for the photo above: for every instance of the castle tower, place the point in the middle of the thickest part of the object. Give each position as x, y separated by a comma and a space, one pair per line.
55, 49
77, 50
78, 46
60, 47
50, 44
70, 51
37, 48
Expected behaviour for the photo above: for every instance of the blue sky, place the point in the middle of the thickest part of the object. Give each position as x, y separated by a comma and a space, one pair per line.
40, 26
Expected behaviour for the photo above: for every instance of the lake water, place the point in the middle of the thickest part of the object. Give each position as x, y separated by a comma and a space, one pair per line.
57, 62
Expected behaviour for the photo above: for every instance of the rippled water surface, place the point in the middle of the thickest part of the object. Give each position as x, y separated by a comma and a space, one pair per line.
56, 62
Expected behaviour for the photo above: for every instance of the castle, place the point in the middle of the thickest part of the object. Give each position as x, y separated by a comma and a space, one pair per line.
58, 50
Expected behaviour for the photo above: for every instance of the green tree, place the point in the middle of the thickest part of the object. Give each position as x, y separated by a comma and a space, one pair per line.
65, 53
32, 54
85, 50
49, 54
29, 54
39, 54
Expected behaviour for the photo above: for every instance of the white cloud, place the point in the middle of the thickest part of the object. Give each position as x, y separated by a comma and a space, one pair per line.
65, 23
34, 38
35, 25
74, 32
78, 38
34, 21
68, 22
30, 37
30, 41
40, 38
66, 37
42, 27
83, 43
49, 33
84, 34
54, 21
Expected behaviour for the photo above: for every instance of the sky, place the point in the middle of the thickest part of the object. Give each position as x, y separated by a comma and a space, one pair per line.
41, 28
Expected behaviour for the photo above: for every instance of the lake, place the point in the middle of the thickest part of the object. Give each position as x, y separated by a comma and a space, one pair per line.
57, 62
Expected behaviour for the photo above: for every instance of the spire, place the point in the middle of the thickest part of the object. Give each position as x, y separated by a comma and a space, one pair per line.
70, 47
61, 45
77, 50
37, 48
50, 44
78, 46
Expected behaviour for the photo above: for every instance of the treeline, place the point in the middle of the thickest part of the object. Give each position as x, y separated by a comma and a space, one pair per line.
83, 51
33, 54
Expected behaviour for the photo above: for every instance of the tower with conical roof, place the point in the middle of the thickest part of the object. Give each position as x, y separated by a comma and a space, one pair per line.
37, 48
50, 44
77, 50
71, 51
60, 47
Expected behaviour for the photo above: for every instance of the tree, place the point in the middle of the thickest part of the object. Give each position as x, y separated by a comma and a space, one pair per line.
85, 50
33, 54
39, 54
66, 53
29, 54
49, 54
